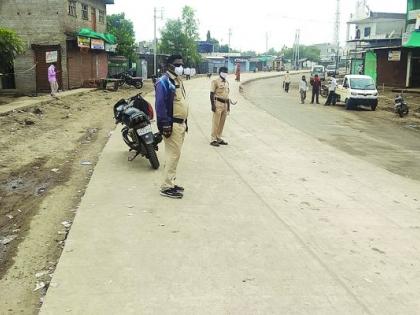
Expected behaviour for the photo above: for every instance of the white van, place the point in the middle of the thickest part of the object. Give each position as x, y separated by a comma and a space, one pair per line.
319, 70
358, 90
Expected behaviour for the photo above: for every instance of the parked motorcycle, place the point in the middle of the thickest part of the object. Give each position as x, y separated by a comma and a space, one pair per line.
400, 106
126, 78
135, 114
324, 90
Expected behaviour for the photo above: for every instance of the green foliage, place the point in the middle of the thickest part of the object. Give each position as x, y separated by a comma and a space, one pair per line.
306, 52
123, 30
10, 46
249, 53
179, 37
224, 48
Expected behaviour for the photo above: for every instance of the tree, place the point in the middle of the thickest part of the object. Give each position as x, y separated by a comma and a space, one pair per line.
180, 36
272, 52
10, 46
123, 30
306, 52
249, 53
224, 48
173, 39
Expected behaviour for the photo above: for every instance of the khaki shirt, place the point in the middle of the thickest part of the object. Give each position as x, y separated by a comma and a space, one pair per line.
180, 101
220, 88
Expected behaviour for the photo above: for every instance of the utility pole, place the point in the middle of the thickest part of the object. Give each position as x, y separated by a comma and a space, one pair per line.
156, 11
296, 50
266, 42
337, 35
230, 35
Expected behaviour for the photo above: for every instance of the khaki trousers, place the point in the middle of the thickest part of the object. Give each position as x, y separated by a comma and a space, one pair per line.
219, 118
173, 146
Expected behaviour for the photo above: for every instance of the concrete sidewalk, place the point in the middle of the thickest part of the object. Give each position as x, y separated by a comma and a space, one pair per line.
275, 223
24, 102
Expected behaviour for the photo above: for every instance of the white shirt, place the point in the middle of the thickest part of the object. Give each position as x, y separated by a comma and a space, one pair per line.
287, 78
333, 85
187, 71
303, 85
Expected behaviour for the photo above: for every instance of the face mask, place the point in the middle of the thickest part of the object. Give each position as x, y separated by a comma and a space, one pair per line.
179, 70
223, 75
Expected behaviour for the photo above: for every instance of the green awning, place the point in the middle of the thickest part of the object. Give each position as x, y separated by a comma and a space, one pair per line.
87, 32
413, 41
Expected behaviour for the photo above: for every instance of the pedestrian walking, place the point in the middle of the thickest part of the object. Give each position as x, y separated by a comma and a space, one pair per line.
52, 78
331, 92
238, 72
303, 88
220, 106
287, 82
316, 89
172, 113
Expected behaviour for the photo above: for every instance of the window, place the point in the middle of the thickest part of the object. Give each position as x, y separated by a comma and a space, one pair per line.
85, 12
101, 16
367, 31
72, 8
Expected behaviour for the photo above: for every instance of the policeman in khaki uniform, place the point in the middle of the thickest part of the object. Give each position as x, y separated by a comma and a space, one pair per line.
220, 106
172, 113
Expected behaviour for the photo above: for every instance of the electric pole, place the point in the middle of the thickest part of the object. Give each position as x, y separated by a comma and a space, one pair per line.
266, 42
156, 11
230, 35
296, 50
337, 35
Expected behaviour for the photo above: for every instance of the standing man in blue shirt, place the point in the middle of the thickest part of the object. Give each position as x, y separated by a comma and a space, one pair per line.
172, 113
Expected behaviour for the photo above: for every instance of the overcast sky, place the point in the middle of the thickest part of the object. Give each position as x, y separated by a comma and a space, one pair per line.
250, 23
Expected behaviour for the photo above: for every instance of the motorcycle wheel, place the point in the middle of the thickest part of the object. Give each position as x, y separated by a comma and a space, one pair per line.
139, 85
400, 112
151, 155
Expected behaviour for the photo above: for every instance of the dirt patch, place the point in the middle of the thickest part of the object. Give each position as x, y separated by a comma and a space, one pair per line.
42, 179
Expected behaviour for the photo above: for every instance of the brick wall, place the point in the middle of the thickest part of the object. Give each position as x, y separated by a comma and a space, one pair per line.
71, 23
36, 22
44, 22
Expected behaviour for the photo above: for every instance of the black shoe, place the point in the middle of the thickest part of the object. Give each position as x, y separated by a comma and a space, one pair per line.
222, 142
215, 144
179, 188
171, 193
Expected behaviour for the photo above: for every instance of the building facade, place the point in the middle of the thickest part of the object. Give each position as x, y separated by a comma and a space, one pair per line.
49, 30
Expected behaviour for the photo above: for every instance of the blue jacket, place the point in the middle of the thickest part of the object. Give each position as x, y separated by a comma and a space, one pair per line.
164, 101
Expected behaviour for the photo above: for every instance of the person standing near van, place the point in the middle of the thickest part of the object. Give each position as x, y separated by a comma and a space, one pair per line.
316, 89
331, 92
303, 88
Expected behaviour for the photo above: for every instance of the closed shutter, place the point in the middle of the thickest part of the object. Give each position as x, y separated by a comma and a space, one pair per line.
103, 65
74, 69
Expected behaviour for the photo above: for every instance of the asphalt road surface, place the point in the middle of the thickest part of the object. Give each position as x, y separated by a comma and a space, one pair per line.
377, 137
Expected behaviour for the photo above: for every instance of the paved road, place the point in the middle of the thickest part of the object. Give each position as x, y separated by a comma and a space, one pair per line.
395, 146
275, 223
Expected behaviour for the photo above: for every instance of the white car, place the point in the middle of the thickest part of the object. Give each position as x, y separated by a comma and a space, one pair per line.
358, 90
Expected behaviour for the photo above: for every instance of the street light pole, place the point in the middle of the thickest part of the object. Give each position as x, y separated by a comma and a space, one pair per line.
155, 38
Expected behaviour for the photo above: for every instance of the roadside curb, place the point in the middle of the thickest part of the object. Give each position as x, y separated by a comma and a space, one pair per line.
23, 107
278, 75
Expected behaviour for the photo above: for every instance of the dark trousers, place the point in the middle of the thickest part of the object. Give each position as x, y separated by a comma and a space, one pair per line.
315, 93
331, 98
286, 86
